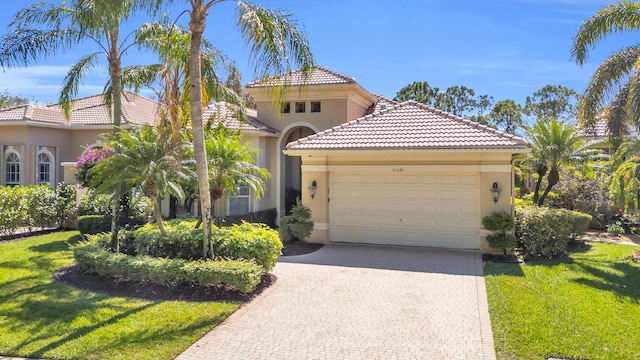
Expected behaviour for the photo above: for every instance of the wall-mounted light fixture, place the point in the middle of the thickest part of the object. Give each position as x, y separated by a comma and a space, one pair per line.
312, 189
495, 192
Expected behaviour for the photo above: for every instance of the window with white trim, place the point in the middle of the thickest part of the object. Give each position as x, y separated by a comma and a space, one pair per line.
44, 168
239, 203
12, 168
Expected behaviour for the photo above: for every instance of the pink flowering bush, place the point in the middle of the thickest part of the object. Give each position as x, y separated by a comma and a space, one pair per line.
87, 161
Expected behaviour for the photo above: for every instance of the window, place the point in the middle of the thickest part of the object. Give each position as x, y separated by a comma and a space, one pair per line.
286, 108
12, 168
315, 106
44, 169
301, 107
239, 203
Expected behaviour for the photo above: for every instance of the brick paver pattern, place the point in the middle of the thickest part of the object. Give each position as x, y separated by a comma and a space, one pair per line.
362, 302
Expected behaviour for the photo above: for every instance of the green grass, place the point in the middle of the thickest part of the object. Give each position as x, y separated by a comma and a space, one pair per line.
43, 318
586, 306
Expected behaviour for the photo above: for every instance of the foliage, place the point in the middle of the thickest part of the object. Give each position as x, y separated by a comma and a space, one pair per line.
571, 308
8, 100
624, 187
546, 232
502, 240
298, 225
247, 241
267, 217
181, 240
506, 115
34, 206
85, 320
552, 102
94, 203
577, 190
618, 75
94, 224
498, 221
86, 162
241, 275
615, 228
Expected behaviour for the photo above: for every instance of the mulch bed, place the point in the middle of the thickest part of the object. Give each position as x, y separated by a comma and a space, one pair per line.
72, 275
299, 248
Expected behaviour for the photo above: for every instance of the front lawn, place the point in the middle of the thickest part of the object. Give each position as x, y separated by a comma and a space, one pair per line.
43, 318
586, 306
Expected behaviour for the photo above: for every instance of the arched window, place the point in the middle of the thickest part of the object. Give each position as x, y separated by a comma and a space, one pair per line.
12, 168
44, 168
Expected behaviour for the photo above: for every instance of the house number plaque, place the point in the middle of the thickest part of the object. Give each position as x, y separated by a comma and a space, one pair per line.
397, 170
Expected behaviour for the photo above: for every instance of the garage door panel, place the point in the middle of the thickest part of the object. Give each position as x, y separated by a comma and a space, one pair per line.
406, 209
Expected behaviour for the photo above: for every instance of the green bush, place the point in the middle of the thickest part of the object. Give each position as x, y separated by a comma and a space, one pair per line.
615, 228
93, 224
502, 240
546, 231
241, 275
298, 225
248, 241
498, 221
181, 240
267, 217
93, 203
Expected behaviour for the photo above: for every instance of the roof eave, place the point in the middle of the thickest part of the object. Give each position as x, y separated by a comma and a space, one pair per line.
506, 149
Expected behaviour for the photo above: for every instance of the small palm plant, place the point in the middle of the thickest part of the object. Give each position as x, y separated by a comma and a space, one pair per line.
139, 161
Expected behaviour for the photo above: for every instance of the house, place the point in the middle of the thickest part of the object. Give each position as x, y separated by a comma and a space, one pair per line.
372, 170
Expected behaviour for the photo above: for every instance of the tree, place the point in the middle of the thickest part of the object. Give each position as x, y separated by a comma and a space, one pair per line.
274, 43
43, 30
457, 100
420, 92
624, 188
619, 74
552, 102
7, 100
507, 115
482, 104
140, 163
554, 145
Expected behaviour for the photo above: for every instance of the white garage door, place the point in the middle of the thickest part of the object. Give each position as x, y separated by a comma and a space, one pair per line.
423, 209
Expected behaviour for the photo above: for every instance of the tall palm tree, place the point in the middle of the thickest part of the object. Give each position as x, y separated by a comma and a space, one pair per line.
275, 44
619, 74
554, 145
140, 163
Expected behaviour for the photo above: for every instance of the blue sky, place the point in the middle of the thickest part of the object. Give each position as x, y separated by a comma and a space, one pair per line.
504, 48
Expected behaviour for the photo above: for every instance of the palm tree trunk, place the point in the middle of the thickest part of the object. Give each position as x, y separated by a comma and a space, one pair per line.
115, 207
196, 25
552, 179
158, 215
541, 172
115, 73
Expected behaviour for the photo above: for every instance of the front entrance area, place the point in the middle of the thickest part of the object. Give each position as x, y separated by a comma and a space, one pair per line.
419, 209
291, 173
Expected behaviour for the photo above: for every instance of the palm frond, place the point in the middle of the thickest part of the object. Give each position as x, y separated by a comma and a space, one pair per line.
24, 47
72, 80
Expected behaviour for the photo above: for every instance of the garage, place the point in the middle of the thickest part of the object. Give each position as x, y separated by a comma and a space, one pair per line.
416, 209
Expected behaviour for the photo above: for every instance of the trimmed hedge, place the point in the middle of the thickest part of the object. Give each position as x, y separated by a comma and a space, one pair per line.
546, 231
94, 224
247, 241
241, 275
267, 217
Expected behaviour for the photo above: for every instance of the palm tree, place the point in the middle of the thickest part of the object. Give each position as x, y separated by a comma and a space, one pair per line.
140, 163
275, 45
42, 29
619, 74
554, 145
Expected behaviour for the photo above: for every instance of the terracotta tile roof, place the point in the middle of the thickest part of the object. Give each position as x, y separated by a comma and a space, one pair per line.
317, 76
408, 125
226, 112
599, 129
380, 104
90, 110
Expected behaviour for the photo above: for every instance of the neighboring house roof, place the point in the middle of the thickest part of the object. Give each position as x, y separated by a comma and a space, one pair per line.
224, 110
90, 110
318, 75
600, 129
408, 125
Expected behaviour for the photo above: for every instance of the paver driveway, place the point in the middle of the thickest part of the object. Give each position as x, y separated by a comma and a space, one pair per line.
362, 302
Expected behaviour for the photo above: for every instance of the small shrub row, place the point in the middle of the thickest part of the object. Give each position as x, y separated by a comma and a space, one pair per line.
546, 232
241, 275
267, 217
255, 242
35, 206
94, 224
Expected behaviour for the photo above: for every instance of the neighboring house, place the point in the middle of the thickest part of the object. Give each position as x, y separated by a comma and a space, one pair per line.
372, 170
599, 133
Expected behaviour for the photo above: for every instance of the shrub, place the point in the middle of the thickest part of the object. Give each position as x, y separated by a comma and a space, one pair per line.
547, 231
93, 203
267, 217
255, 242
181, 240
298, 225
93, 224
615, 228
66, 205
498, 221
241, 275
502, 240
12, 209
